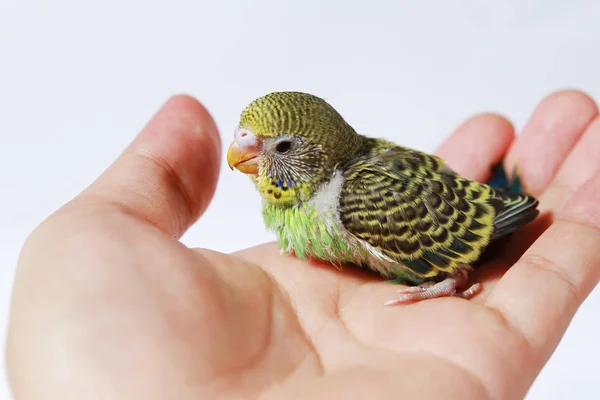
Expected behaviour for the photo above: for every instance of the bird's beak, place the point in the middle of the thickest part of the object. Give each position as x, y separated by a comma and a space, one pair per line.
243, 157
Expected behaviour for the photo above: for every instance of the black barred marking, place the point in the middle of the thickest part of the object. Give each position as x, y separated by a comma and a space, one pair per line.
419, 266
455, 227
371, 206
424, 226
410, 212
355, 209
395, 202
357, 202
450, 196
463, 205
400, 230
442, 220
436, 259
426, 241
433, 200
476, 225
498, 204
441, 236
446, 210
414, 163
479, 211
436, 186
443, 252
418, 190
422, 211
405, 246
470, 237
460, 247
397, 216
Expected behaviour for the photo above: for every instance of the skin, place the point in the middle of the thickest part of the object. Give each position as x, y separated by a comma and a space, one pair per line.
107, 304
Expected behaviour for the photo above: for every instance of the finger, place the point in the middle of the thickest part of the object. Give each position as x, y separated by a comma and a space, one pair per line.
581, 165
555, 126
540, 294
168, 174
477, 145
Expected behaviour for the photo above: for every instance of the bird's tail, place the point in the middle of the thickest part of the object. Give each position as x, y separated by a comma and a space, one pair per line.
519, 210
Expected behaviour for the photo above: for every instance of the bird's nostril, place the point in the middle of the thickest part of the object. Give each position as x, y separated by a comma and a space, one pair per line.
245, 138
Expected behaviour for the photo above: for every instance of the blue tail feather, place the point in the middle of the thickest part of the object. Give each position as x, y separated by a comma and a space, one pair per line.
500, 180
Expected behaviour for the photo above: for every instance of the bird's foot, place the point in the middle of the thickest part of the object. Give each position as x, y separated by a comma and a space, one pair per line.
429, 290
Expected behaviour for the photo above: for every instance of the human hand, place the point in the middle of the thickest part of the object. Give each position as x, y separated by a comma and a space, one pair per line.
107, 304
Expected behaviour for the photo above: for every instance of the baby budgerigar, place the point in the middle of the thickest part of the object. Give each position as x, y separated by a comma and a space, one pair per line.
332, 194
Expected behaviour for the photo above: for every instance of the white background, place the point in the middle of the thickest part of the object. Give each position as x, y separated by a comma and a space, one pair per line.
79, 79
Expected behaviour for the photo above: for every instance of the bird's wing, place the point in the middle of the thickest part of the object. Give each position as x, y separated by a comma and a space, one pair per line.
417, 212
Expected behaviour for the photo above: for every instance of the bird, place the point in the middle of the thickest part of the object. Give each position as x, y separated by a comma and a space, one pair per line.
334, 195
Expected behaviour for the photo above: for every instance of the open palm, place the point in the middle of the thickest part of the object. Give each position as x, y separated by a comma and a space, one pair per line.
107, 304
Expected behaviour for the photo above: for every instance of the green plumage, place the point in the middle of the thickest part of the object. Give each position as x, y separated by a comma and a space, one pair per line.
348, 198
308, 234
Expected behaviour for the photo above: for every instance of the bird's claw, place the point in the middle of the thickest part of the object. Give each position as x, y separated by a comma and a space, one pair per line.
430, 290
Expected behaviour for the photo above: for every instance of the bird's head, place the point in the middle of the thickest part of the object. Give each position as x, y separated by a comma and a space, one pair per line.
290, 143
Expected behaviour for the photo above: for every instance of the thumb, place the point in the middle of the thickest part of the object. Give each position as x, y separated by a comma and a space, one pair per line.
168, 174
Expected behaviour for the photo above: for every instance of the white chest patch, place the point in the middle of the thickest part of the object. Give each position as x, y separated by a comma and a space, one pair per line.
326, 199
326, 204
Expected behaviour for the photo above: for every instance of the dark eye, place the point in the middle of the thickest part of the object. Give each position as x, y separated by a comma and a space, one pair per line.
283, 147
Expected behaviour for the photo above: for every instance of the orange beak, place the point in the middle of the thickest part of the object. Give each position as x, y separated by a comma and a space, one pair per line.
244, 157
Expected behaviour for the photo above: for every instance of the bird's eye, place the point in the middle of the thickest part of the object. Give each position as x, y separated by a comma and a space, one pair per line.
283, 147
